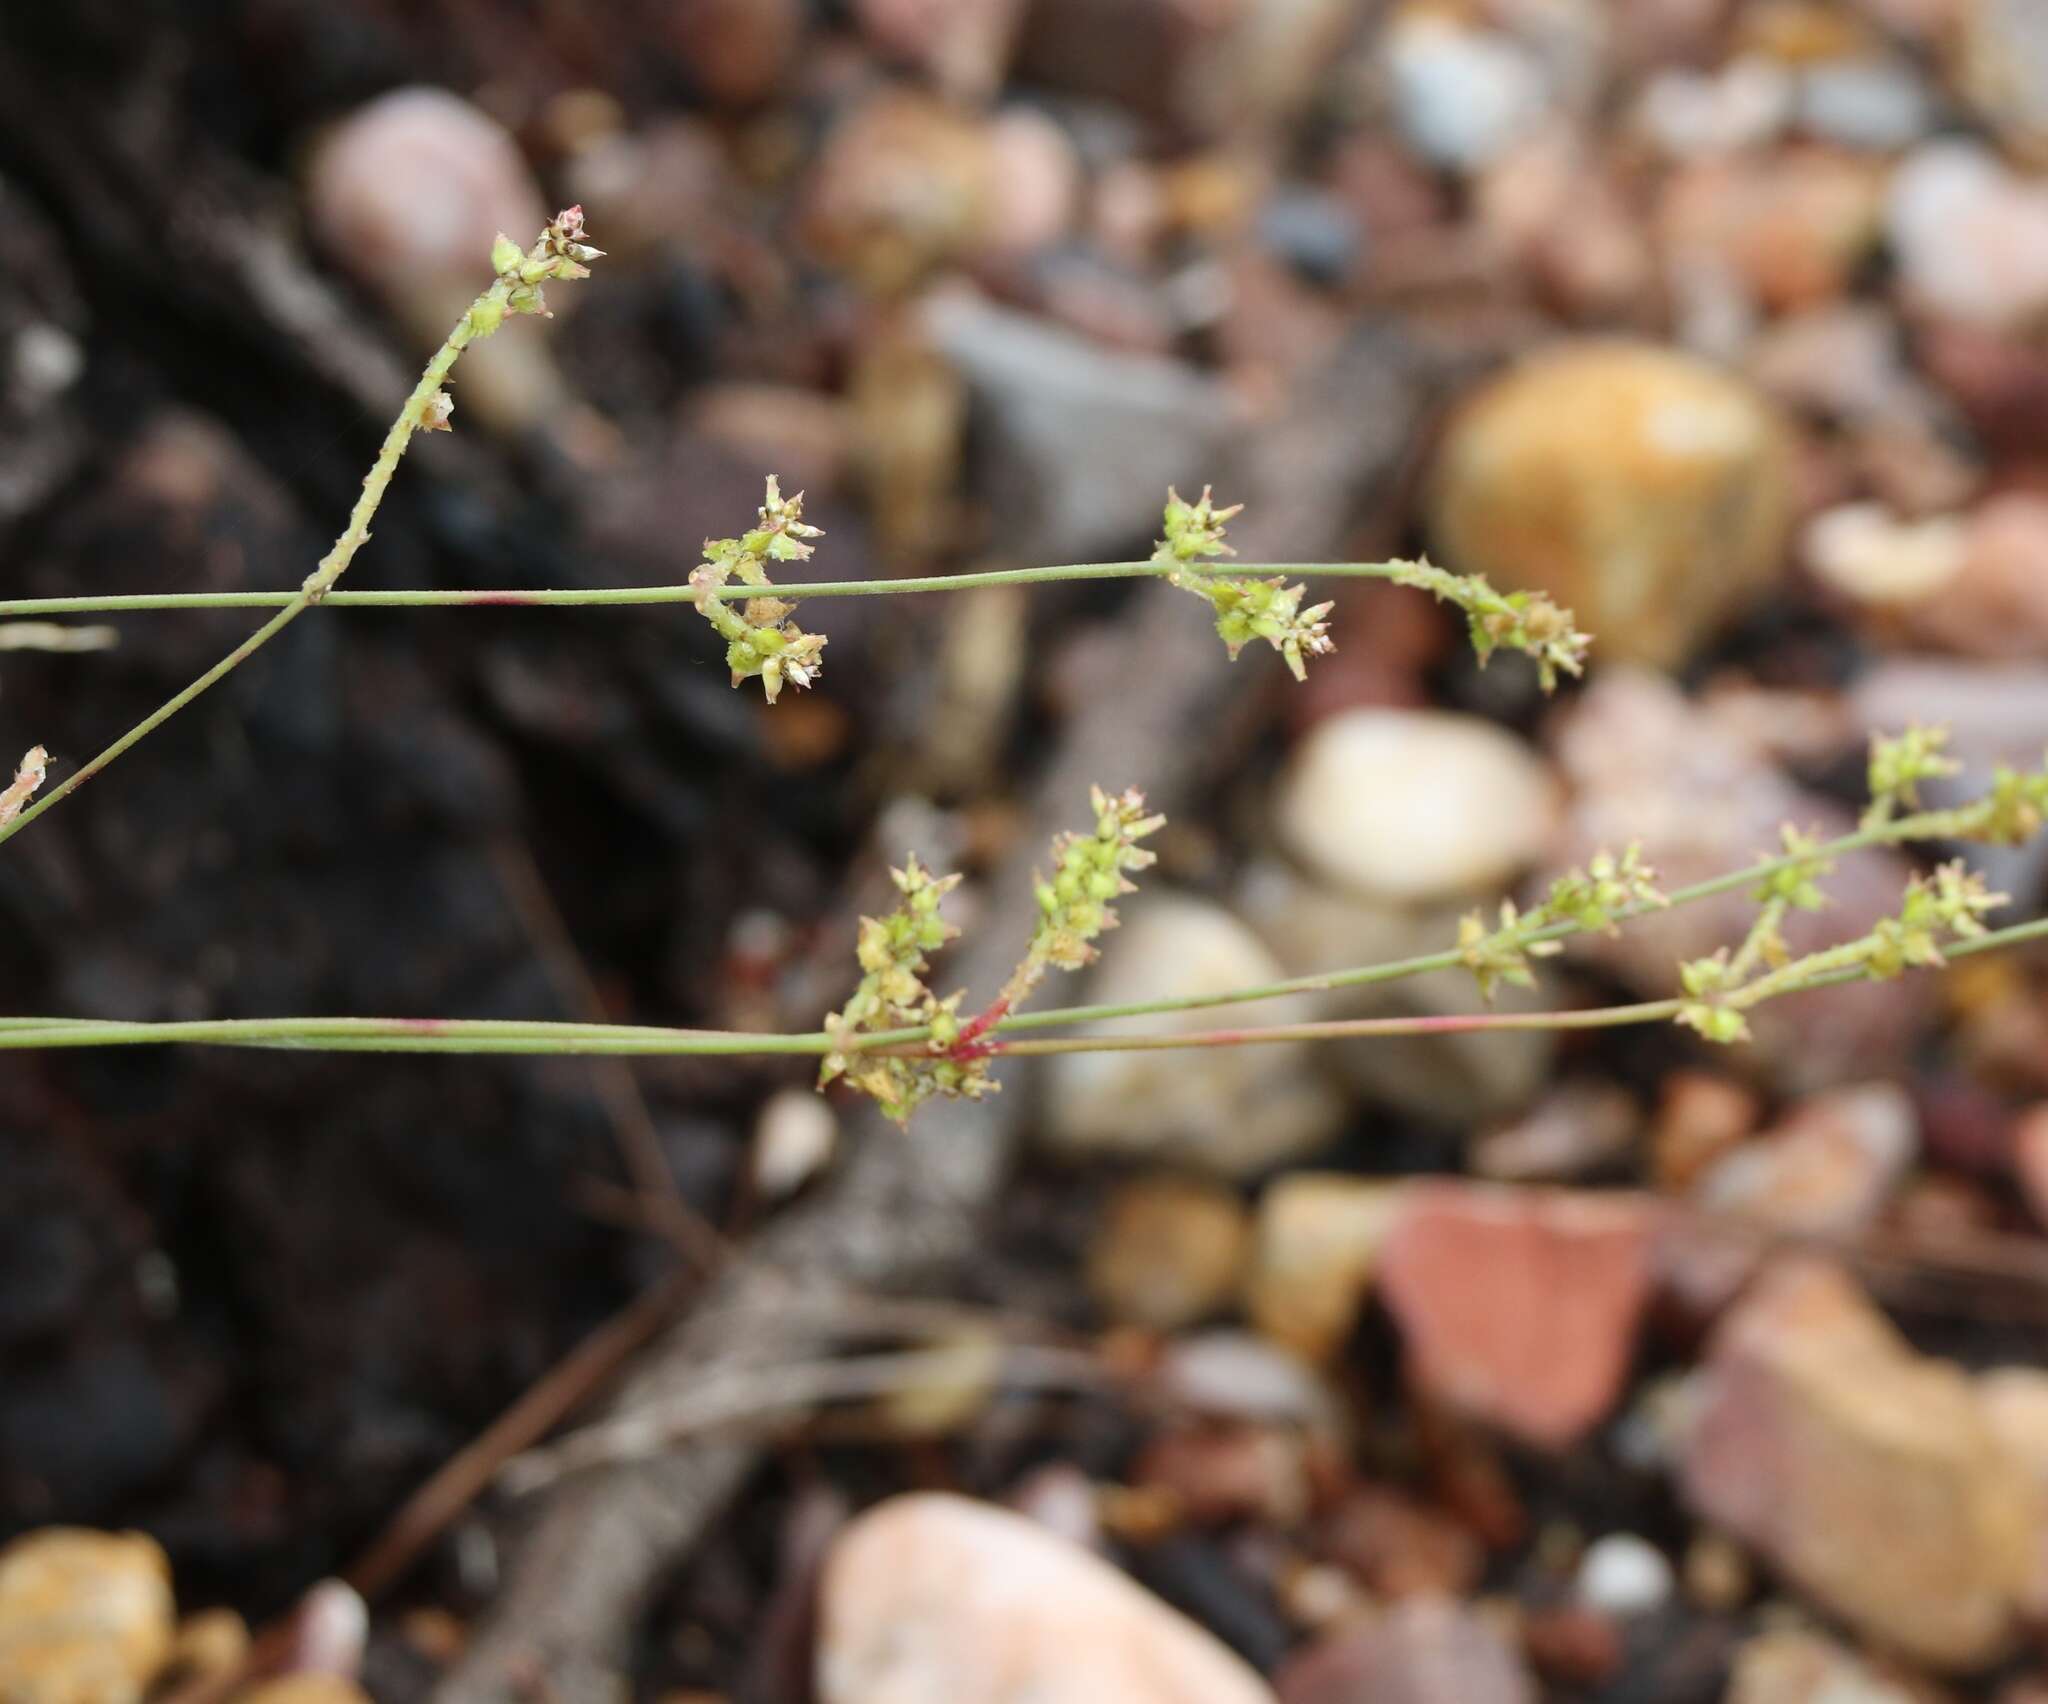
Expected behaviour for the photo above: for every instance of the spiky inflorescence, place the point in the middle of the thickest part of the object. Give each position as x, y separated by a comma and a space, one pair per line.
760, 638
1528, 622
1073, 905
561, 253
1947, 905
2011, 814
1246, 607
1591, 900
1897, 767
1089, 870
892, 995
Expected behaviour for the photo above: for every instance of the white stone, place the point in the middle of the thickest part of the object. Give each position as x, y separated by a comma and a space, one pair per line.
1459, 1078
1461, 96
1693, 113
1415, 805
1234, 1375
935, 1599
1622, 1574
793, 1139
1863, 550
1864, 103
1232, 1110
1970, 236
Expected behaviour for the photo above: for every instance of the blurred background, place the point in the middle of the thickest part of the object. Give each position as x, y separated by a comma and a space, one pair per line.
1720, 320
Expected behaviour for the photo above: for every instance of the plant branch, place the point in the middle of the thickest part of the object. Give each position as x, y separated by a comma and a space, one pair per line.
685, 594
483, 1036
511, 290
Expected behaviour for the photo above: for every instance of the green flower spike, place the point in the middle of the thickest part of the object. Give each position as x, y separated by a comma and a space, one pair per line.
1089, 872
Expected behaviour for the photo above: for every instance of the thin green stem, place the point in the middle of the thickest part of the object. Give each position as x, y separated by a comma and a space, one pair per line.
407, 1035
484, 1036
1338, 1029
685, 594
1924, 826
156, 718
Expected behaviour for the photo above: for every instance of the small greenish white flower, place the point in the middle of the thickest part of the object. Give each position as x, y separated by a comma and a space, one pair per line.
1707, 982
1796, 885
1950, 902
2013, 811
761, 641
1247, 608
560, 252
1592, 900
1090, 870
1899, 764
1529, 622
1944, 906
893, 954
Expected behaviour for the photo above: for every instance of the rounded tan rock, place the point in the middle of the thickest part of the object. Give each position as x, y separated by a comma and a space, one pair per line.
307, 1689
1646, 490
85, 1617
1230, 1110
1168, 1251
1317, 1247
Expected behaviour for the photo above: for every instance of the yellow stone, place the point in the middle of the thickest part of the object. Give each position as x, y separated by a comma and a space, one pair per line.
307, 1689
1646, 490
1316, 1248
85, 1617
1168, 1251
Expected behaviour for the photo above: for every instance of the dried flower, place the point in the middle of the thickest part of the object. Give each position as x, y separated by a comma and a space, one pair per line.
1246, 608
760, 638
1517, 621
437, 413
35, 766
559, 252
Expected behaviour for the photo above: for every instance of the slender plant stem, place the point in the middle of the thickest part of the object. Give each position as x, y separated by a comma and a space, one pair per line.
318, 585
158, 717
1924, 826
1339, 1029
685, 594
412, 1035
482, 1036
